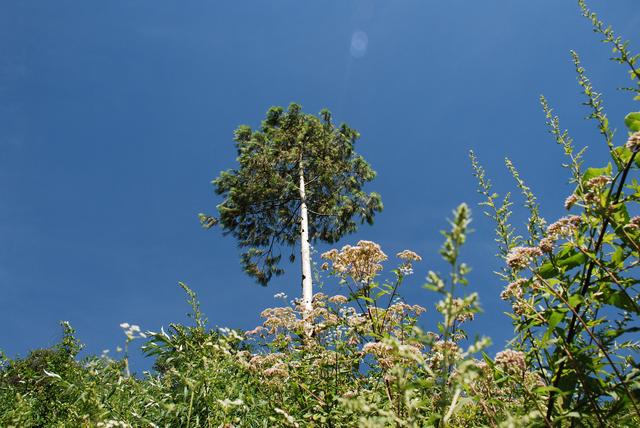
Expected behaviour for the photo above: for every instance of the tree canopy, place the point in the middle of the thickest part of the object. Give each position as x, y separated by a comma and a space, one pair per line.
262, 198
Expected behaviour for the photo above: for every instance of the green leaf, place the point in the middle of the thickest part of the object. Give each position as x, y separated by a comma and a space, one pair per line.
621, 300
575, 300
632, 120
555, 318
565, 259
547, 270
571, 261
622, 156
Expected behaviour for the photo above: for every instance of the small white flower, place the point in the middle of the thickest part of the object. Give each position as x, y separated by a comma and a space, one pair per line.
228, 403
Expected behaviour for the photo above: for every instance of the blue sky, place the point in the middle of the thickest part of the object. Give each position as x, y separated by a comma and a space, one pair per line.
115, 116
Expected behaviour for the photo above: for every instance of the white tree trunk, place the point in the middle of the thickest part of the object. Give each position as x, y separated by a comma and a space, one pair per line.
305, 252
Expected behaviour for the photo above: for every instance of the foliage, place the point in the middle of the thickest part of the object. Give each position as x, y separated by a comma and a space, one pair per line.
262, 199
573, 283
366, 357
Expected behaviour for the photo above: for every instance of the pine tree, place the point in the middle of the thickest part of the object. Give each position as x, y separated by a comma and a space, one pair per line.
298, 179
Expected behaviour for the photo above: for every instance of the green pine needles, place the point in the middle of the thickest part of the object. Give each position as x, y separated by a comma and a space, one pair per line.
295, 167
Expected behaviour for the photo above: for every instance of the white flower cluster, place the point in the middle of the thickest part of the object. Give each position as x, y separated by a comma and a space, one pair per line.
132, 331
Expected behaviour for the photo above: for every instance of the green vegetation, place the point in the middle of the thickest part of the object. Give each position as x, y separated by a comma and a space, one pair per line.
362, 358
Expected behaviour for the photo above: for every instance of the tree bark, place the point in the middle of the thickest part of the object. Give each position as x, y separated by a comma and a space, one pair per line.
305, 252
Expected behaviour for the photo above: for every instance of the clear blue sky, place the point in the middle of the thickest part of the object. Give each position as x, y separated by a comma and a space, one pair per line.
115, 116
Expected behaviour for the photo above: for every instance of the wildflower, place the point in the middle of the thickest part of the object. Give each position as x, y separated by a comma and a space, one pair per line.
276, 371
228, 403
287, 416
598, 182
382, 351
357, 320
406, 269
514, 290
511, 361
570, 201
546, 245
633, 143
482, 366
417, 309
362, 262
634, 223
339, 299
519, 307
533, 381
279, 318
564, 227
520, 257
440, 348
256, 330
132, 331
408, 255
112, 423
591, 198
350, 394
459, 309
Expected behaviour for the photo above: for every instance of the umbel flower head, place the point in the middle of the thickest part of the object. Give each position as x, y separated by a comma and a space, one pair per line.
360, 262
564, 227
511, 361
408, 258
